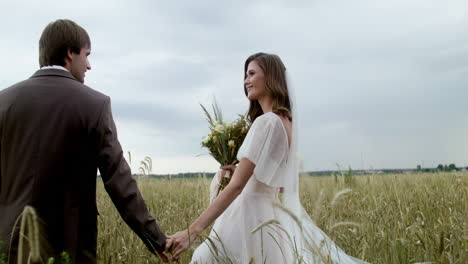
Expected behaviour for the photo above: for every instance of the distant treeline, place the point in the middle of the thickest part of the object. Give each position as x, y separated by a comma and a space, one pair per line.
450, 167
439, 168
178, 175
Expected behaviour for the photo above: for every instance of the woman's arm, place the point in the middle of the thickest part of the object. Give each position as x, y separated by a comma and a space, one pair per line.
180, 241
240, 178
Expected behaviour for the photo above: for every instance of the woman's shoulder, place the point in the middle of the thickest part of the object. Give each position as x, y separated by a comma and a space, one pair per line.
268, 121
267, 117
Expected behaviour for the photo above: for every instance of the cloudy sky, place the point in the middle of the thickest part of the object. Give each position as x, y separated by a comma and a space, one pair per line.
380, 84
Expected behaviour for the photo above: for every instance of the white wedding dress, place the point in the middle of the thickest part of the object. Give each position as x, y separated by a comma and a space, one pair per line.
260, 225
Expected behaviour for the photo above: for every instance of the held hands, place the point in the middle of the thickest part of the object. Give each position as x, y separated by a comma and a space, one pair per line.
180, 242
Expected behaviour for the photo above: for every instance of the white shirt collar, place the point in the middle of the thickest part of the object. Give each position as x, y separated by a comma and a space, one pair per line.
57, 67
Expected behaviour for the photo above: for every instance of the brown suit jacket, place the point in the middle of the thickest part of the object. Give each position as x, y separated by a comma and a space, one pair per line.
55, 133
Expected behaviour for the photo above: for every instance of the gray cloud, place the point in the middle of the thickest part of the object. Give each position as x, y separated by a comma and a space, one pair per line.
379, 83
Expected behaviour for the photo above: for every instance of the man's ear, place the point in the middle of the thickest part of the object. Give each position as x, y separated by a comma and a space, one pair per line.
69, 56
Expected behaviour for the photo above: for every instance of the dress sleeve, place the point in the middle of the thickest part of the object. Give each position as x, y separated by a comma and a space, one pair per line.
266, 145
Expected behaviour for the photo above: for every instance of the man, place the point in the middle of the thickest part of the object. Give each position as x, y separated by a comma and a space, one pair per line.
55, 133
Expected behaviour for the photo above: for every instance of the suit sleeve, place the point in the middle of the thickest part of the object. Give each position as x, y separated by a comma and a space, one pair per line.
120, 184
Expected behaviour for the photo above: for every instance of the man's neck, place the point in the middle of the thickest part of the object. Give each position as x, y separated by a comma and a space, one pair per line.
57, 67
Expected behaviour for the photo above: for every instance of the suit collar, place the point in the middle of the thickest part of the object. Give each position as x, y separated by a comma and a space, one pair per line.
53, 72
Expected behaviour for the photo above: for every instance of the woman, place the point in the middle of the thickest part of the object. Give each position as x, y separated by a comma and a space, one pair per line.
251, 222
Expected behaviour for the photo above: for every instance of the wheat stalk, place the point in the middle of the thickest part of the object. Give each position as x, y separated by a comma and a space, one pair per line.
29, 221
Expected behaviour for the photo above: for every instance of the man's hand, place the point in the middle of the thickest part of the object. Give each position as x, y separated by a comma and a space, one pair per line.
163, 257
161, 254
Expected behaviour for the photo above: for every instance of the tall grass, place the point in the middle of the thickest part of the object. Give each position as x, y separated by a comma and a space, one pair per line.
378, 218
32, 246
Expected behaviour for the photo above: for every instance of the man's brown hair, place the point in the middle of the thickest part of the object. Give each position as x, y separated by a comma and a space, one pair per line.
57, 38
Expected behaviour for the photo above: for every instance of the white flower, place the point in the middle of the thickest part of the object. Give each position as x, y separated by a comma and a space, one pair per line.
231, 143
228, 124
219, 128
215, 138
206, 139
215, 123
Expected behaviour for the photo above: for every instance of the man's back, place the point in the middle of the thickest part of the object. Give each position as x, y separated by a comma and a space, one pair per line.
54, 134
49, 155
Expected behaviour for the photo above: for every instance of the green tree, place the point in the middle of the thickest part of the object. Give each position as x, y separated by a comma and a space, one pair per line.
440, 167
452, 167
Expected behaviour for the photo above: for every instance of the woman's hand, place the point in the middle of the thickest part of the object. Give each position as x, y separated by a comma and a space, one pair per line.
180, 242
227, 168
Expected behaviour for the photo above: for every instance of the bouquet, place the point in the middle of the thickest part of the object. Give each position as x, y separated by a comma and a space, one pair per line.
224, 140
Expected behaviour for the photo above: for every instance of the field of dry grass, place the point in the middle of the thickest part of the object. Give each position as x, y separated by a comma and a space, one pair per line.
400, 218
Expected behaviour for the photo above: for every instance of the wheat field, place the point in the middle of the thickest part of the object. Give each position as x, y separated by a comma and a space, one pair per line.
404, 218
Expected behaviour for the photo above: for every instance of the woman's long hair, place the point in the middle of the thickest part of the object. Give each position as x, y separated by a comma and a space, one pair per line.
275, 85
